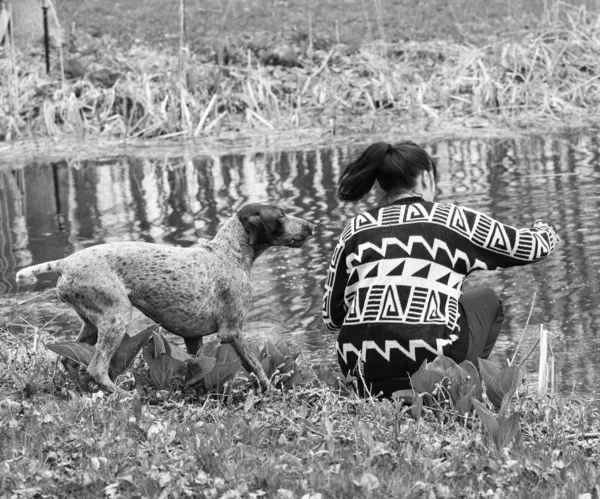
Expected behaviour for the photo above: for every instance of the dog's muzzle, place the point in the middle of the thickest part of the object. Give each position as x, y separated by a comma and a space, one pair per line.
305, 232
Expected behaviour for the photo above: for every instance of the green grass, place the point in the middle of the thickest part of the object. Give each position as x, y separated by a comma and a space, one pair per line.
321, 439
315, 441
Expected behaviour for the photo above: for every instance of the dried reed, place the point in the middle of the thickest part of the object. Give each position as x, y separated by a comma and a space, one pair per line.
549, 77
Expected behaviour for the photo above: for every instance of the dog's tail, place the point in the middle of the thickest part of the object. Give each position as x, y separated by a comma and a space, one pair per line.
27, 273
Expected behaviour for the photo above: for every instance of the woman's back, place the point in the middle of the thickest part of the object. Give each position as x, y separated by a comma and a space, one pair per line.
406, 262
401, 269
394, 286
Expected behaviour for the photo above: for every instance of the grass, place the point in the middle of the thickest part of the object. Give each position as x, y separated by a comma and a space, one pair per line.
312, 441
546, 77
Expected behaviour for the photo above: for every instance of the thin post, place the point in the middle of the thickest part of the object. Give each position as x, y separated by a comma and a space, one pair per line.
4, 24
543, 368
9, 44
184, 119
45, 7
59, 39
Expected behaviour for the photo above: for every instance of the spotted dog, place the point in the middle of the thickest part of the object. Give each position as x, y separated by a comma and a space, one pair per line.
191, 292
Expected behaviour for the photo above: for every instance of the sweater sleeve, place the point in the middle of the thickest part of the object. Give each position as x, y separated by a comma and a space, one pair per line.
334, 307
499, 245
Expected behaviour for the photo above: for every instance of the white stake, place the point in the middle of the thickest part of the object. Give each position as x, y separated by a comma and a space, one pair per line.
543, 370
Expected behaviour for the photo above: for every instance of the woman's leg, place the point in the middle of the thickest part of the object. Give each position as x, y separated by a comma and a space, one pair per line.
484, 314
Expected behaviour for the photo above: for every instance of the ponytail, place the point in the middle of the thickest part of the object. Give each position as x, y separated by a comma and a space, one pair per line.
360, 175
395, 167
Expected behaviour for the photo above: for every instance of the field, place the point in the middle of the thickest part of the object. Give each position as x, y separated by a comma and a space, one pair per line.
316, 440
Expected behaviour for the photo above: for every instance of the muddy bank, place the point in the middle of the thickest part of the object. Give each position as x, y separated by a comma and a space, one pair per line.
18, 153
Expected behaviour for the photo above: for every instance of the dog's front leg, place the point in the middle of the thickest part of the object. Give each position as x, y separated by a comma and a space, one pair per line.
249, 361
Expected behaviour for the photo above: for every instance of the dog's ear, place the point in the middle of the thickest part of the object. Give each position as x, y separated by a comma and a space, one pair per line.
257, 232
261, 222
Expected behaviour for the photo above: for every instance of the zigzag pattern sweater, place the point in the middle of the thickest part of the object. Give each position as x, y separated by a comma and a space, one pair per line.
396, 276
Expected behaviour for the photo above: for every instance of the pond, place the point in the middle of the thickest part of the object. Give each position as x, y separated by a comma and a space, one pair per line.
47, 211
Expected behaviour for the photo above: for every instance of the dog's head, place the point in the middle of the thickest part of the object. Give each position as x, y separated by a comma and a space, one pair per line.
267, 225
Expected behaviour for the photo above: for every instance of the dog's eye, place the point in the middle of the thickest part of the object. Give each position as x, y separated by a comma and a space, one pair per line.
281, 215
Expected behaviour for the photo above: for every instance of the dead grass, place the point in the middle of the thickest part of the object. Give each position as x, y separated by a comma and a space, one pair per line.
547, 78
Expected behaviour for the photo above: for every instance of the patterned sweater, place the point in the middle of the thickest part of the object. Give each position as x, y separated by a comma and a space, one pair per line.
396, 276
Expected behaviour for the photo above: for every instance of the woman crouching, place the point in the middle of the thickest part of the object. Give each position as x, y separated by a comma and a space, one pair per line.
394, 286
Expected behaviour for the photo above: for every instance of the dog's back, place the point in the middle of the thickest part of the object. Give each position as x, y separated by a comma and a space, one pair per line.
189, 291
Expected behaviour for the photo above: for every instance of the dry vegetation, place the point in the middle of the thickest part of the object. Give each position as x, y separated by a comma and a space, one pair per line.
547, 77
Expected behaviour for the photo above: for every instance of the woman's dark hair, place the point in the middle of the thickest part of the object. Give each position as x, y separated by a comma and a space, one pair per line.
395, 167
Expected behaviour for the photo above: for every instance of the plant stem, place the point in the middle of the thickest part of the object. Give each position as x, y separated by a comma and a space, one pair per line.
524, 330
529, 353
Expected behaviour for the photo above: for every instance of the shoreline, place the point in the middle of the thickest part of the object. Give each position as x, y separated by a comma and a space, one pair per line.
18, 154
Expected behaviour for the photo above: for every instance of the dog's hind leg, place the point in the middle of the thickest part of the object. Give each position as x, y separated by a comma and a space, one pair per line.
105, 309
112, 328
88, 332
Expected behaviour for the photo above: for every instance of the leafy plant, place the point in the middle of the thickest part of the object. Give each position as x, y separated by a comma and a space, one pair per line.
500, 430
165, 361
426, 380
128, 350
500, 384
445, 380
280, 366
162, 369
82, 353
210, 370
198, 368
226, 365
460, 386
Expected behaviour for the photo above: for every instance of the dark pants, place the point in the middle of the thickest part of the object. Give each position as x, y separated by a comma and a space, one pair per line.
484, 313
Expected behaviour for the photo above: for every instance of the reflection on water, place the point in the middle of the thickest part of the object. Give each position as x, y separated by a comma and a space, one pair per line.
49, 211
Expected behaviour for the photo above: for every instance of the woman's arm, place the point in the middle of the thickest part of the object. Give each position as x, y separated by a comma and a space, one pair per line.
334, 307
499, 245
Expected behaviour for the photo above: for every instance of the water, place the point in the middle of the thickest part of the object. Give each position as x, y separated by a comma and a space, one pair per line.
48, 211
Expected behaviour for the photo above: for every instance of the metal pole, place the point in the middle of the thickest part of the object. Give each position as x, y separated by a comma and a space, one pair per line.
46, 35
